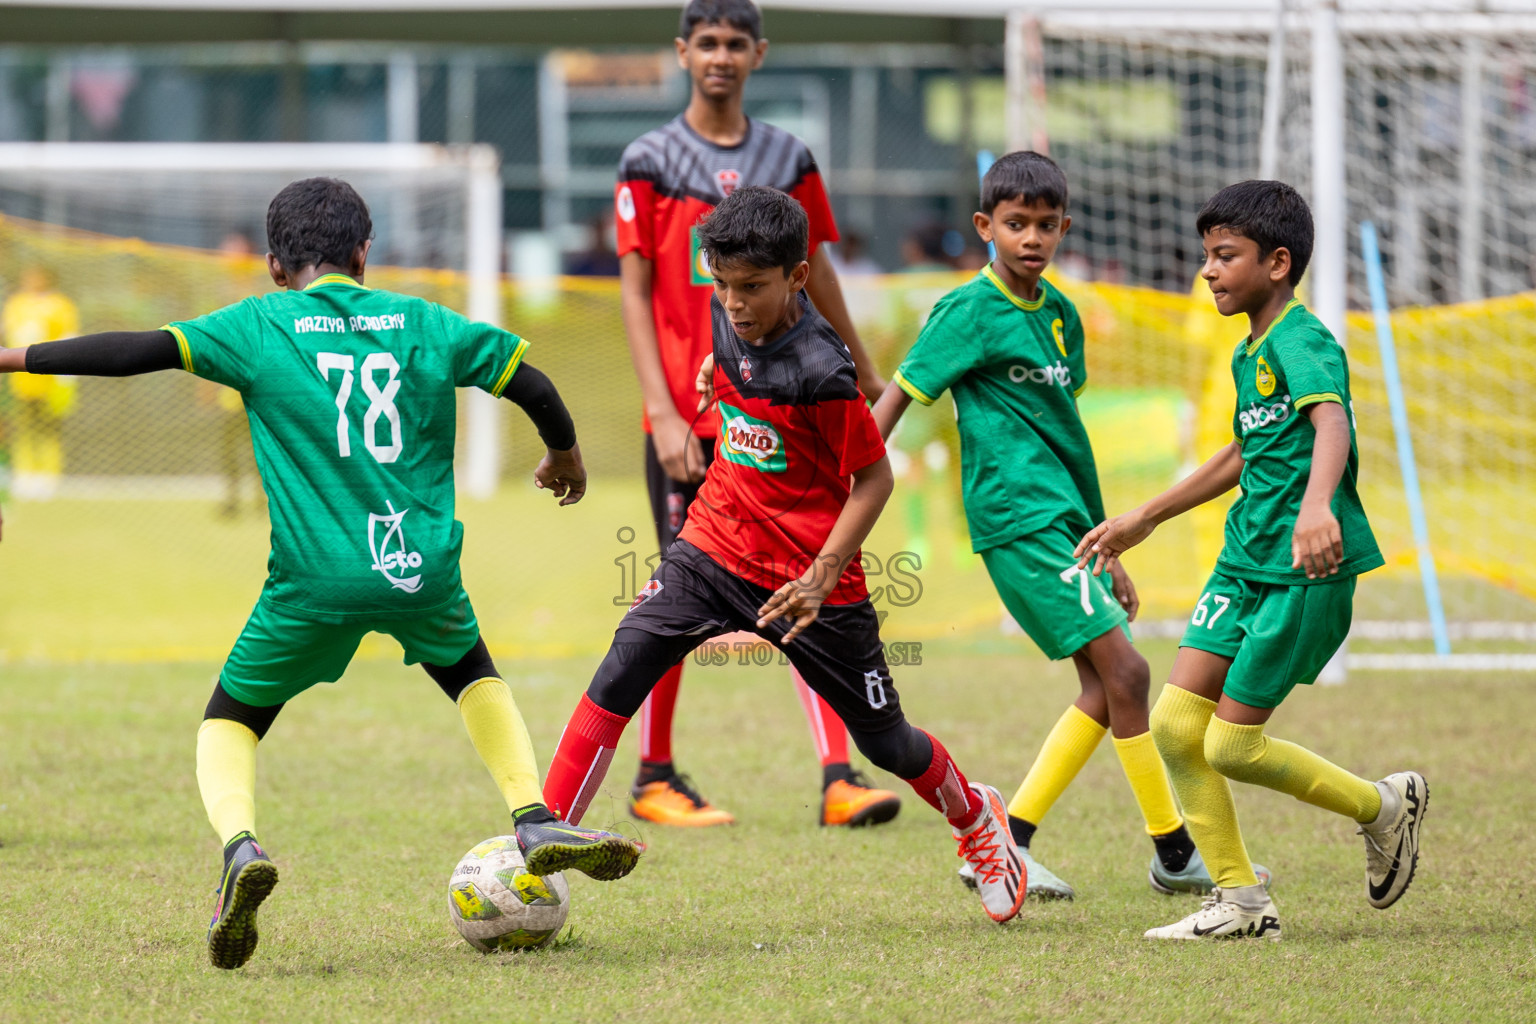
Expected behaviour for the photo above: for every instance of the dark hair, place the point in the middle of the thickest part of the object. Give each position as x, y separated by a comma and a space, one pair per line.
1271, 213
315, 221
1025, 174
739, 14
758, 226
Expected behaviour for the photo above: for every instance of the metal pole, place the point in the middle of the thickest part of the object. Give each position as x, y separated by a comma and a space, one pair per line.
461, 101
483, 230
1406, 463
863, 142
1329, 273
1274, 98
554, 143
1469, 243
401, 102
1024, 67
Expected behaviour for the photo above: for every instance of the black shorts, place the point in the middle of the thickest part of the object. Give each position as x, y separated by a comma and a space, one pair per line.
669, 498
692, 598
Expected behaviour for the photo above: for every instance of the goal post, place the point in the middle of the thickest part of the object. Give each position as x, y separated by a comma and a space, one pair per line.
460, 184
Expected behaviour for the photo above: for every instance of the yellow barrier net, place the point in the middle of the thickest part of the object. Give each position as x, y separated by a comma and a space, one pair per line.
134, 527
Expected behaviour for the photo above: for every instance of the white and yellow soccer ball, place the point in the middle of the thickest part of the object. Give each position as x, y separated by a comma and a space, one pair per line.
496, 904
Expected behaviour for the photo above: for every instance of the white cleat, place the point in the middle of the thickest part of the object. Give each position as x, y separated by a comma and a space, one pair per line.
1043, 882
987, 847
1392, 841
1221, 918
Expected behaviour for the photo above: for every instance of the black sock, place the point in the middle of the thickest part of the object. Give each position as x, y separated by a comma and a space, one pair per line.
654, 771
1023, 831
840, 771
1175, 848
533, 814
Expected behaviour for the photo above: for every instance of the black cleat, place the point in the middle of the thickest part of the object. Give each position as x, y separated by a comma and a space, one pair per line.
553, 846
248, 879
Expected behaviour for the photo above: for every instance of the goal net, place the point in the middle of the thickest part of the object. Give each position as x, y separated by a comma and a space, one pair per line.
1440, 154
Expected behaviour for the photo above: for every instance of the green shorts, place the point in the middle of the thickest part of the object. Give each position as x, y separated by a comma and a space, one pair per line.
1277, 636
1060, 606
278, 656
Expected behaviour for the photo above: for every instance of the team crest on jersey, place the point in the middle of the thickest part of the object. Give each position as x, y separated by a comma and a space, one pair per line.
390, 555
698, 261
625, 204
727, 180
650, 590
1058, 333
1264, 378
748, 441
746, 368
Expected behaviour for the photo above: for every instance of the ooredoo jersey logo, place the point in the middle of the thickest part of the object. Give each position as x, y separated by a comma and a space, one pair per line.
749, 441
389, 550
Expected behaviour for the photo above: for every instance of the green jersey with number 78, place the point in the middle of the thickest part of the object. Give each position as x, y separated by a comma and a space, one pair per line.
350, 392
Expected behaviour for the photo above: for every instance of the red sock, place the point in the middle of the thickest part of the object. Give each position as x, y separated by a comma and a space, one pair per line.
582, 759
827, 730
943, 786
656, 718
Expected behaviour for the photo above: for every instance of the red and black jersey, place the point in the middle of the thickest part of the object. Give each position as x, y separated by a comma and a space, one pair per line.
669, 180
793, 428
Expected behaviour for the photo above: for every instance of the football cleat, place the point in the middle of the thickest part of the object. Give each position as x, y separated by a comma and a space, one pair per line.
1195, 877
248, 879
1043, 882
1222, 918
674, 801
855, 802
1392, 845
550, 847
988, 848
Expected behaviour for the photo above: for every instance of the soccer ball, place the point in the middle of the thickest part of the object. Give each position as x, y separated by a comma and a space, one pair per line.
496, 904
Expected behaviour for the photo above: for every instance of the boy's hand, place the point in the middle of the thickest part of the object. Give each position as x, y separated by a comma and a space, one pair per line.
13, 360
1104, 544
1316, 544
801, 599
563, 474
1124, 590
704, 384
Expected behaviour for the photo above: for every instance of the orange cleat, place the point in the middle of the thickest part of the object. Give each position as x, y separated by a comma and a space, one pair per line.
855, 802
674, 801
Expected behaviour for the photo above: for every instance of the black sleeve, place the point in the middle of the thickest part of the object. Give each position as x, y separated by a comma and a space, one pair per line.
535, 394
113, 354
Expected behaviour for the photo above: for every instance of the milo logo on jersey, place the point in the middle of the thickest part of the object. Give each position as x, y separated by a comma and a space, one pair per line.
1256, 416
699, 271
749, 441
388, 548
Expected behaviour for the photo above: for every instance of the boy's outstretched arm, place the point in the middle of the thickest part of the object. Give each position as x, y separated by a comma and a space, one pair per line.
561, 470
1316, 543
801, 599
1105, 543
111, 354
893, 402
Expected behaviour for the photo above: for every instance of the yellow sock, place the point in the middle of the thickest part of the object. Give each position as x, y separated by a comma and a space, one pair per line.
226, 776
501, 739
1179, 723
1071, 742
1149, 782
1244, 753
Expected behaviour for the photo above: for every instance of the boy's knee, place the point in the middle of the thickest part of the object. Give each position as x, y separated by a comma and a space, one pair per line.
903, 751
1131, 681
1177, 737
1234, 750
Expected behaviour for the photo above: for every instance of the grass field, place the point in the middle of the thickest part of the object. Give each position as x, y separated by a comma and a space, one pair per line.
369, 792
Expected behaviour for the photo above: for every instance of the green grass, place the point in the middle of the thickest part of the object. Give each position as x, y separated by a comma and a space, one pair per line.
369, 792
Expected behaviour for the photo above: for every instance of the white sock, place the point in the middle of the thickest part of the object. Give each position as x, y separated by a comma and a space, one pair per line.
1391, 804
1249, 897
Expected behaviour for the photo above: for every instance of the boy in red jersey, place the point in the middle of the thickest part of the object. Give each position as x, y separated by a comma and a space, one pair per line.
772, 544
669, 179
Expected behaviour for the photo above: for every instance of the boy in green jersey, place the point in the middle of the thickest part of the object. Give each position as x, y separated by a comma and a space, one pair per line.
1009, 346
351, 396
1278, 604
